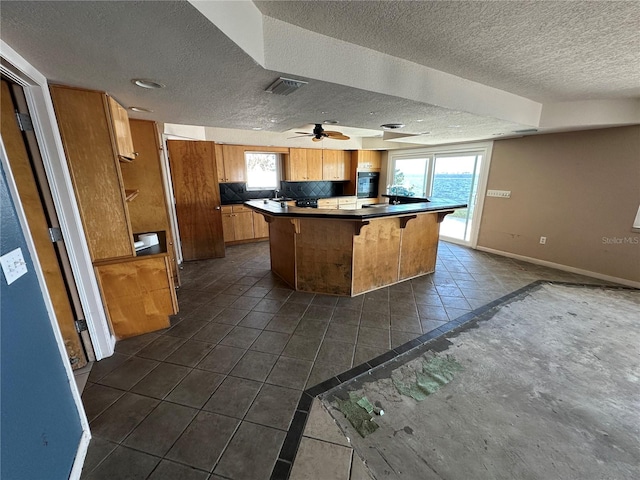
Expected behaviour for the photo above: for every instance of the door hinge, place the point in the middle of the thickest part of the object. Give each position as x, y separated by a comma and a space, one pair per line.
55, 234
24, 122
81, 325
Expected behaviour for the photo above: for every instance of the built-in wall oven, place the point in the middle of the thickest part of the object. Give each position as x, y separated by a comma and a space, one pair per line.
368, 184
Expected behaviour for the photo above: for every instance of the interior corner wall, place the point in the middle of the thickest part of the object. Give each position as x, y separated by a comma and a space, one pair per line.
581, 190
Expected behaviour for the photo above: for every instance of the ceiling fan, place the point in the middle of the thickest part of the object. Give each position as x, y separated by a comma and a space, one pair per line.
320, 133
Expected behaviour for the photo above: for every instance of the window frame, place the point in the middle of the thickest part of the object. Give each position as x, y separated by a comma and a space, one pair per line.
278, 158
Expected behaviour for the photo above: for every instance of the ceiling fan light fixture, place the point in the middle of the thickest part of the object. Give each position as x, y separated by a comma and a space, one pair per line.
391, 126
144, 83
285, 86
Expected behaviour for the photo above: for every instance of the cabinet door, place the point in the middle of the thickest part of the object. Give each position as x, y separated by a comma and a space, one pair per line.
227, 227
314, 164
260, 226
368, 160
296, 165
83, 119
344, 165
219, 157
329, 164
243, 225
197, 195
234, 167
121, 131
138, 294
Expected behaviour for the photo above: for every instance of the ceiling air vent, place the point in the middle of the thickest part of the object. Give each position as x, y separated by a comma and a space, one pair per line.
285, 86
392, 126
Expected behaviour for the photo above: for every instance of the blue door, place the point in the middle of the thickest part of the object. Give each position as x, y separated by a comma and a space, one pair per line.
40, 427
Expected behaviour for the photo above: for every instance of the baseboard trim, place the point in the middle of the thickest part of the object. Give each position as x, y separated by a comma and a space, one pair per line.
558, 266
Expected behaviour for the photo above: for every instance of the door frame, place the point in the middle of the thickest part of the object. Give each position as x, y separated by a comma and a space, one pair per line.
36, 91
483, 175
83, 444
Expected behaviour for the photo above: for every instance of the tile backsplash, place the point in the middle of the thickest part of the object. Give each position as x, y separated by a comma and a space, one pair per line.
237, 192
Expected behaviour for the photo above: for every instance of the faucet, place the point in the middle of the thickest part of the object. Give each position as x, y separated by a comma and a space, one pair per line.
275, 193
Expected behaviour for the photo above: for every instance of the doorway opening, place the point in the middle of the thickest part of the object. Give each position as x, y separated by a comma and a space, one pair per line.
27, 166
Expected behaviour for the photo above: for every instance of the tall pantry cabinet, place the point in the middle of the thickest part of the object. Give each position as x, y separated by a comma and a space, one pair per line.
137, 288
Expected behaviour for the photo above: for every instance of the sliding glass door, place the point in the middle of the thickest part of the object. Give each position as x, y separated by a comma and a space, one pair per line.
452, 174
455, 177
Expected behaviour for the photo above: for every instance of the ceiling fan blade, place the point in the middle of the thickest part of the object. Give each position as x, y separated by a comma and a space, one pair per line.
332, 132
298, 136
336, 135
316, 139
304, 133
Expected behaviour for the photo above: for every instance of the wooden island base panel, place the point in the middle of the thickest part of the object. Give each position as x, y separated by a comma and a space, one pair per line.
350, 252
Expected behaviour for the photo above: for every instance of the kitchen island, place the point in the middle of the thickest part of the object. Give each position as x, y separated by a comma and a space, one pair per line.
350, 252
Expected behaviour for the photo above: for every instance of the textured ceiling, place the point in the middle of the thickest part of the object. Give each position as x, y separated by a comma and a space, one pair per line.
544, 50
212, 82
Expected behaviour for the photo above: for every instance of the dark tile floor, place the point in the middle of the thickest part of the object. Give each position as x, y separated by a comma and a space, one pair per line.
213, 396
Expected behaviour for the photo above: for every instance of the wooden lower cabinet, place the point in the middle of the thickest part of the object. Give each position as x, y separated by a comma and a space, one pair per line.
138, 294
237, 223
260, 226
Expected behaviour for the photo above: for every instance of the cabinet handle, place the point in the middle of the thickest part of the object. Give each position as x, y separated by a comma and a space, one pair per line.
217, 208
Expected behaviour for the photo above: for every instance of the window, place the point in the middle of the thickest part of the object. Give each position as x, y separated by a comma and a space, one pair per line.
409, 177
449, 173
263, 170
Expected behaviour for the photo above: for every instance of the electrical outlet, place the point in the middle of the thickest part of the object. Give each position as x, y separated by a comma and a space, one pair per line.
543, 240
499, 193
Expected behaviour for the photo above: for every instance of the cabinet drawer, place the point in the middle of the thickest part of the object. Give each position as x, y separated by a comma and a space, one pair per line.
240, 208
328, 203
227, 208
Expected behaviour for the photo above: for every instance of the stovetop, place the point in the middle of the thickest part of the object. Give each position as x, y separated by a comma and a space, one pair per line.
307, 202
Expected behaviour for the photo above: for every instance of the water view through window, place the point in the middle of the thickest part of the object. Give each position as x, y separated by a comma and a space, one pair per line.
450, 176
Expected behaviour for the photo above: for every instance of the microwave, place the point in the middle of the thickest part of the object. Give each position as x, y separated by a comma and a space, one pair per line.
368, 184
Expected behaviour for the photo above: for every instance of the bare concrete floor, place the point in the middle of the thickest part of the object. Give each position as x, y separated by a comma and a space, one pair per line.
550, 390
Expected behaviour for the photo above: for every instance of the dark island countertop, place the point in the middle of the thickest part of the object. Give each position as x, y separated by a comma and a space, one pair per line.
378, 211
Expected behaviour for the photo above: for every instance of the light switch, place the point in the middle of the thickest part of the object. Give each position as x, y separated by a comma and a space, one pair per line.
13, 265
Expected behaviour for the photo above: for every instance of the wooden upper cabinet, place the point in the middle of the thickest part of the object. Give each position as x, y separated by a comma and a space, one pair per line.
336, 165
304, 165
367, 160
314, 164
233, 167
86, 128
121, 131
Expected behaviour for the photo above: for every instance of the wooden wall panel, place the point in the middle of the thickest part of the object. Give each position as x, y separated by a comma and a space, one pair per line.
195, 186
324, 256
282, 246
95, 173
149, 211
419, 246
376, 254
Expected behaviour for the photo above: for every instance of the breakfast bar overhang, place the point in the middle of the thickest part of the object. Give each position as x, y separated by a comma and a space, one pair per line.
350, 252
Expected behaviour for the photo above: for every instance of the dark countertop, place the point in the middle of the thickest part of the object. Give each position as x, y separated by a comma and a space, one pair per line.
378, 211
405, 198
